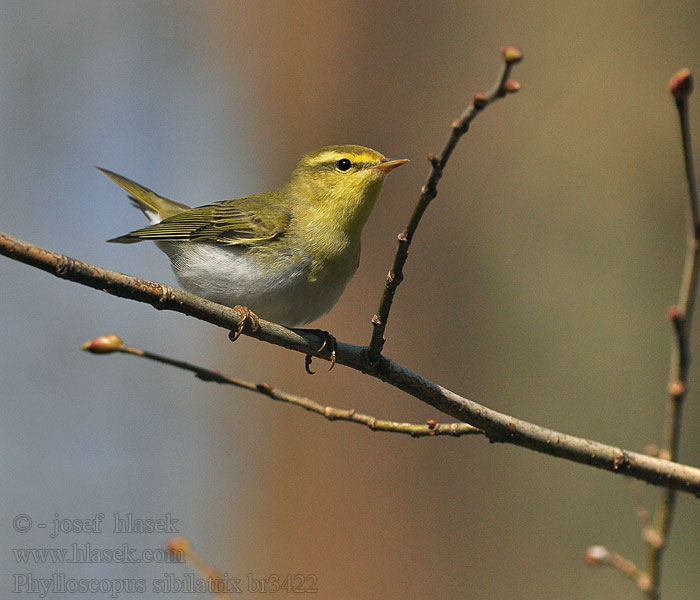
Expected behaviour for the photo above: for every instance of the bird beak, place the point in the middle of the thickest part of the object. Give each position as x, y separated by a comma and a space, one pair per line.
389, 164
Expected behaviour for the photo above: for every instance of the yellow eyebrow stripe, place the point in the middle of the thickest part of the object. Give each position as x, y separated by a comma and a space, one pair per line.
332, 156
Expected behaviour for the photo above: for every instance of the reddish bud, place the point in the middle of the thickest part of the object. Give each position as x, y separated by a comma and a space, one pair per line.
511, 86
265, 388
676, 389
597, 555
479, 101
681, 84
178, 545
103, 344
512, 54
674, 314
432, 423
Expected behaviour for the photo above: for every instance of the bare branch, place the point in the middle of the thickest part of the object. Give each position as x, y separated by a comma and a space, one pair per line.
498, 427
214, 581
107, 344
681, 316
511, 56
601, 556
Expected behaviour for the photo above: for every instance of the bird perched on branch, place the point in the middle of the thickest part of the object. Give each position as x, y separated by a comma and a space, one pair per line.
286, 254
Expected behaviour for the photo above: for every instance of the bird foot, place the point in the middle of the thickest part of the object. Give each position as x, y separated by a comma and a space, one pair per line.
248, 315
328, 341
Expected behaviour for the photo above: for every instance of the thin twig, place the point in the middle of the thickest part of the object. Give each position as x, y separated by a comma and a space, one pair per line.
511, 56
681, 318
601, 556
497, 427
111, 343
213, 580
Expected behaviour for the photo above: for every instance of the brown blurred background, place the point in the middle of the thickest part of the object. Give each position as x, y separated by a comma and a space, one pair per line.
538, 285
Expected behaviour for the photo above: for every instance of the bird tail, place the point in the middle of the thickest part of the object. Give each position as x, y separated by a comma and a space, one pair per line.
155, 207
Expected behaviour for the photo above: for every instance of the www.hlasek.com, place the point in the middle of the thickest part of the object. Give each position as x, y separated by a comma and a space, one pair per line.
187, 583
87, 553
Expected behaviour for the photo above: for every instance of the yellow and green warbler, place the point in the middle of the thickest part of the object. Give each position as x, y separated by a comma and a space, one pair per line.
287, 254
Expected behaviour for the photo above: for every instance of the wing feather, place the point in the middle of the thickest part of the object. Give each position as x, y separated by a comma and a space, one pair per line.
245, 221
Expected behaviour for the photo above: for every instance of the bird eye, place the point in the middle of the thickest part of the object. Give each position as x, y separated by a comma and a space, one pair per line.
343, 164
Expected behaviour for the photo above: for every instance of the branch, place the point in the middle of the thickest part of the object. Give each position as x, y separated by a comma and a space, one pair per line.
601, 556
681, 316
106, 344
496, 426
511, 56
215, 582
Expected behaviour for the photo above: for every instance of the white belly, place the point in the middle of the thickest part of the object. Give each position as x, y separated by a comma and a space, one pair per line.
286, 293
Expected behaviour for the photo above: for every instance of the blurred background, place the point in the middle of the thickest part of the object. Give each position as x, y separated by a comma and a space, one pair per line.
538, 285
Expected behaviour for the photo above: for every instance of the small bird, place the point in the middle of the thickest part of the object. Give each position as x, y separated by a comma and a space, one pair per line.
286, 254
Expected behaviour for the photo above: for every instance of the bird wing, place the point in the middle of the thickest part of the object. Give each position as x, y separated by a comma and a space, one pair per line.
245, 221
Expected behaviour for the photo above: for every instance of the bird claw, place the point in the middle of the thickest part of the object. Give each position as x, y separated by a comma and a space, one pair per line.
307, 364
328, 341
248, 315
